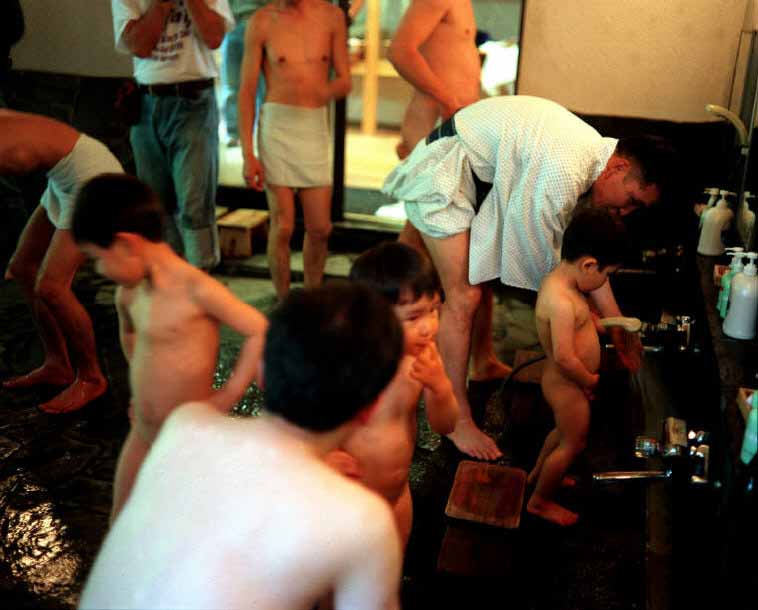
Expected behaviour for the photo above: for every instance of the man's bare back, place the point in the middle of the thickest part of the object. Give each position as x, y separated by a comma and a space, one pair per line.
203, 469
298, 43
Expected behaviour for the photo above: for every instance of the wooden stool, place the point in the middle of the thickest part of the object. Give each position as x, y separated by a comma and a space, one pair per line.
237, 230
487, 493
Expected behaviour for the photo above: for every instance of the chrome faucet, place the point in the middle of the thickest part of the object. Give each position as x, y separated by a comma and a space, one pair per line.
676, 446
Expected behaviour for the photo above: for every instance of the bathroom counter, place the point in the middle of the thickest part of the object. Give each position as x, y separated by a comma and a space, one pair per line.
737, 359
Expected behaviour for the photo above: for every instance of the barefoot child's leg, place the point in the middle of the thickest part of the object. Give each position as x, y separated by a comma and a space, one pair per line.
551, 442
132, 455
571, 411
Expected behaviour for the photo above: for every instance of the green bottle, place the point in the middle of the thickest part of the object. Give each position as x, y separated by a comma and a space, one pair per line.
735, 267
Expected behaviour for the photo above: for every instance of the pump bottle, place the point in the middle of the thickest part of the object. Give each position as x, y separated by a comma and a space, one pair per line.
735, 267
715, 220
714, 195
743, 302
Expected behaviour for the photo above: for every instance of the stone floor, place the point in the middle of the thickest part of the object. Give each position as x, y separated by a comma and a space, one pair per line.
56, 477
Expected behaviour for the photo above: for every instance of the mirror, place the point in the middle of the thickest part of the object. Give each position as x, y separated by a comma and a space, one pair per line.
748, 186
379, 96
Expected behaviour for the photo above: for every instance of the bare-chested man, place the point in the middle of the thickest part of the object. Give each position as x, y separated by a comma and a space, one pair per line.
243, 513
169, 315
295, 43
434, 50
46, 258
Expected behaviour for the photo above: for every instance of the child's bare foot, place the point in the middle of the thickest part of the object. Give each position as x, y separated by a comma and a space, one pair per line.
491, 369
75, 396
472, 441
47, 374
547, 509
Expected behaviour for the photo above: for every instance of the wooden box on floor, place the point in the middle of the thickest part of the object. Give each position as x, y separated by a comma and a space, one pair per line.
238, 229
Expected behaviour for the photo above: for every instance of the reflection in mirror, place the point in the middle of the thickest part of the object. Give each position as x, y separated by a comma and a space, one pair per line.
377, 104
749, 114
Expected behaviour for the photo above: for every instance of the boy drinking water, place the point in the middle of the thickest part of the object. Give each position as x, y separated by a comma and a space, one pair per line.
593, 247
380, 454
250, 516
169, 314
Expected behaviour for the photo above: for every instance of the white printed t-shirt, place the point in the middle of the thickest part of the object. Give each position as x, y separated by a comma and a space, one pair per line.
180, 55
540, 159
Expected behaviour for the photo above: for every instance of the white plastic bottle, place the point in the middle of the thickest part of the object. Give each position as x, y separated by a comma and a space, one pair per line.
715, 220
735, 267
743, 302
746, 215
714, 195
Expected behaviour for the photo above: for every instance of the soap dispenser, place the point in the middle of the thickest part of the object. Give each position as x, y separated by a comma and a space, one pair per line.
714, 195
715, 220
735, 267
743, 302
746, 215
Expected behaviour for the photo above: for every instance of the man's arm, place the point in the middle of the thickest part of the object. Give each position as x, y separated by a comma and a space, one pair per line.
208, 23
255, 36
629, 349
126, 333
341, 84
562, 333
220, 303
142, 35
418, 23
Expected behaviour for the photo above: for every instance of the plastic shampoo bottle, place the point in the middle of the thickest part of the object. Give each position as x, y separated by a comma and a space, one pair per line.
715, 220
735, 267
743, 302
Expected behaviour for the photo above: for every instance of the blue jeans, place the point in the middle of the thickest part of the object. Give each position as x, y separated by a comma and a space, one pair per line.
233, 50
176, 152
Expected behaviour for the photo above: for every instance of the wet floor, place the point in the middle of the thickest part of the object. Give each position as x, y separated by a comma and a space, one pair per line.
56, 482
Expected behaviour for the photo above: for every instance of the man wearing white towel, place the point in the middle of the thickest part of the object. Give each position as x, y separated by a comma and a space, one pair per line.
46, 258
296, 43
492, 190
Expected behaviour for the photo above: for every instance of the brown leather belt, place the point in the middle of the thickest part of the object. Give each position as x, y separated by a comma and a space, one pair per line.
189, 88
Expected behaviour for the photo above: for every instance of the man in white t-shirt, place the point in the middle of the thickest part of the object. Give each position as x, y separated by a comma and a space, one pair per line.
175, 142
492, 190
46, 257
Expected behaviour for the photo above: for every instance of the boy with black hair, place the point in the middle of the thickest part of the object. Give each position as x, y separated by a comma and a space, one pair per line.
380, 454
169, 314
593, 247
250, 516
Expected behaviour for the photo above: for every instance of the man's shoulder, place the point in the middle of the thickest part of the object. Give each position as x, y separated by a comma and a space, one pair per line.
332, 11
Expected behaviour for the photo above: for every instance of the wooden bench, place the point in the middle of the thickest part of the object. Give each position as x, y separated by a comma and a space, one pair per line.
238, 229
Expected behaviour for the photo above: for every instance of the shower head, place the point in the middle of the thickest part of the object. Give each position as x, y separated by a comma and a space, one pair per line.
722, 112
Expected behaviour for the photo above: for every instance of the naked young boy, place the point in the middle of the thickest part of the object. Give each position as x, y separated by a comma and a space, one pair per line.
380, 453
593, 247
169, 314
